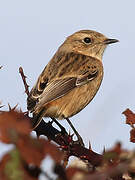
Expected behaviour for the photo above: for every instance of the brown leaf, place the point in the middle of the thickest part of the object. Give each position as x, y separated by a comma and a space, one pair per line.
112, 155
12, 124
132, 135
117, 148
53, 151
130, 117
15, 129
33, 151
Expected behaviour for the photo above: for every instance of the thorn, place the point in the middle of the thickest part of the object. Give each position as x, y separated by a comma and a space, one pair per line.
104, 150
14, 107
90, 146
72, 135
9, 107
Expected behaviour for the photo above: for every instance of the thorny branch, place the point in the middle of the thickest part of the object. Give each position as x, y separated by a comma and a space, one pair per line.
67, 143
63, 139
24, 81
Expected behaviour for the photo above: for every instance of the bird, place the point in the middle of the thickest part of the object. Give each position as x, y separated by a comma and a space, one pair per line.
71, 79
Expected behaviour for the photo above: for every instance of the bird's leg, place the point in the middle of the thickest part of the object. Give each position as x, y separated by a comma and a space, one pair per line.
59, 125
75, 131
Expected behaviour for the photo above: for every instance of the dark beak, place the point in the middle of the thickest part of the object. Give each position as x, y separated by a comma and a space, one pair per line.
110, 41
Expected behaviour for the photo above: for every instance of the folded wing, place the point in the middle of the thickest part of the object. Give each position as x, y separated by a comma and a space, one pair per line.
61, 87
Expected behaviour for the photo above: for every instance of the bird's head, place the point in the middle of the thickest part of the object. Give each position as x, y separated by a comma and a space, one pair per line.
87, 42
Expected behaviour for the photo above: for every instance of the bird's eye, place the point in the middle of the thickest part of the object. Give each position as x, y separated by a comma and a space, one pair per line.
87, 40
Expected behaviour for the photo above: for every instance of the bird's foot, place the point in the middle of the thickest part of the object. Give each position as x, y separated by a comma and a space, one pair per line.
63, 130
79, 138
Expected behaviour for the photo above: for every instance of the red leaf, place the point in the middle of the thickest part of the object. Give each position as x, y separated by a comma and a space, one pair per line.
132, 135
33, 151
130, 116
12, 124
117, 148
112, 155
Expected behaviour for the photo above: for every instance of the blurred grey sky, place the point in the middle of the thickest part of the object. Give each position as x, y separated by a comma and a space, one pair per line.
30, 33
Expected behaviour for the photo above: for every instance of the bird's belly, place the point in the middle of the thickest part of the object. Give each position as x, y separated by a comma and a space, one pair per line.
73, 102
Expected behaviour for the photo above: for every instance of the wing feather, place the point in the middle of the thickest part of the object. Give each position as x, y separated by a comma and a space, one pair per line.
57, 89
61, 87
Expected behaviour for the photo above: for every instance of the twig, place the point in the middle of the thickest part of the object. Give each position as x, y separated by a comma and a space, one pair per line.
24, 81
67, 143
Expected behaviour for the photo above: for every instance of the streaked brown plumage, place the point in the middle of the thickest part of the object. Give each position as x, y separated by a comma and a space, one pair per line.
72, 77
